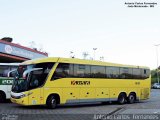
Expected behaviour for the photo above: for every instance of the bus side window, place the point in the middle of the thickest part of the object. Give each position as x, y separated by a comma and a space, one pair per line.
97, 71
1, 71
4, 71
112, 72
81, 71
137, 73
145, 73
126, 73
63, 70
12, 74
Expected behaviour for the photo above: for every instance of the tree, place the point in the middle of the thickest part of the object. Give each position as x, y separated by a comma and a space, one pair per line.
7, 39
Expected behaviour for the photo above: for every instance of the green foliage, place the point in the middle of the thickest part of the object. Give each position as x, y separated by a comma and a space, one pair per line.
154, 76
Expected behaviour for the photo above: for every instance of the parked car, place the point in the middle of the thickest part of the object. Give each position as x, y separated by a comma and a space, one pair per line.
156, 86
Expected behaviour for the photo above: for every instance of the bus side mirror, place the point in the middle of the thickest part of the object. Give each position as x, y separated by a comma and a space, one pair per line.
30, 70
11, 72
25, 73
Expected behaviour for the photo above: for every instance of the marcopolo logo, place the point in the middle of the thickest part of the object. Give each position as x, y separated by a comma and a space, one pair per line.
8, 49
74, 82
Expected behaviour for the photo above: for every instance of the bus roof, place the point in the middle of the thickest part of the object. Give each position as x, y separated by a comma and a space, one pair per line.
78, 61
9, 64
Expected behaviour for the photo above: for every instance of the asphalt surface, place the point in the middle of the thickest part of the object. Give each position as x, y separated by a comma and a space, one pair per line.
92, 111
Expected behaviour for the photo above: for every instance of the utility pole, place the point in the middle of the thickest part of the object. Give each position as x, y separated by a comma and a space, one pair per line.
157, 61
85, 54
94, 49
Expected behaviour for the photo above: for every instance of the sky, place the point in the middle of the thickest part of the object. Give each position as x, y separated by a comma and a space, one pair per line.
120, 34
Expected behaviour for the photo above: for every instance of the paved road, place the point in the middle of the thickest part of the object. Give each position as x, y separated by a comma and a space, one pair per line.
75, 112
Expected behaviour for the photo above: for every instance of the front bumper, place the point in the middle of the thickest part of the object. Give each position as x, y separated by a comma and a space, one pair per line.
15, 98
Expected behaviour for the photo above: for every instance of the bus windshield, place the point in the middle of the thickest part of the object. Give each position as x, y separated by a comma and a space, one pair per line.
35, 78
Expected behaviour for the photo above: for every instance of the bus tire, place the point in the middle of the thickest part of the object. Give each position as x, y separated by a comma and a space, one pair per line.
122, 98
51, 102
2, 97
131, 98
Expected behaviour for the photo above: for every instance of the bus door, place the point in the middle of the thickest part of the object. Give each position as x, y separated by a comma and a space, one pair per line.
35, 82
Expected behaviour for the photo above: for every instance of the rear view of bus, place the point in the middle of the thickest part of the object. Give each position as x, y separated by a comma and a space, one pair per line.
52, 81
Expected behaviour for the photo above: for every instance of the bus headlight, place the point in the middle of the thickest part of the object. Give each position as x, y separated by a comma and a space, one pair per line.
19, 95
23, 95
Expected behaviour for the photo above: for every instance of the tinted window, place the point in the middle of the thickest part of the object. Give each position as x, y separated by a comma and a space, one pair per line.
112, 72
33, 79
63, 70
13, 67
5, 69
145, 73
38, 77
82, 71
126, 73
97, 72
136, 73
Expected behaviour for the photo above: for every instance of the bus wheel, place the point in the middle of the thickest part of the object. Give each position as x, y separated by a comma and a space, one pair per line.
2, 97
131, 98
51, 102
121, 98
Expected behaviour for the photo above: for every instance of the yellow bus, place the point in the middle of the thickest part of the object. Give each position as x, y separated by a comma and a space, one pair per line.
52, 81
